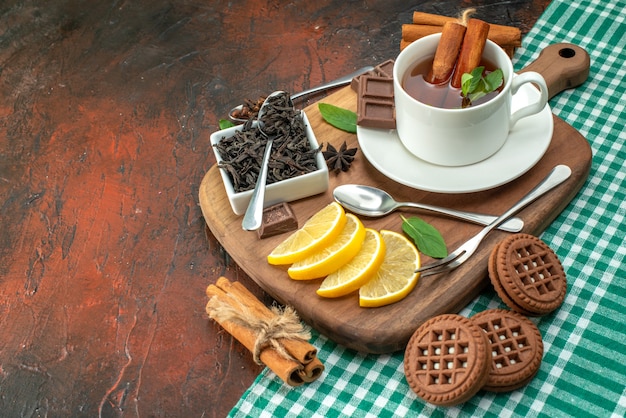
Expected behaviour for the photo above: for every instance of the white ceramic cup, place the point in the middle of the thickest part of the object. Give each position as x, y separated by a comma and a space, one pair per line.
456, 137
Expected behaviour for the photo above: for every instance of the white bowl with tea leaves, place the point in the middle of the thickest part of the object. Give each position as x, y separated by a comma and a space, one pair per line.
239, 166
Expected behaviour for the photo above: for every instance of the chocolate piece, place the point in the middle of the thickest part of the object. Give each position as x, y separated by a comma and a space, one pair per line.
376, 87
277, 219
376, 114
356, 81
375, 106
375, 103
384, 69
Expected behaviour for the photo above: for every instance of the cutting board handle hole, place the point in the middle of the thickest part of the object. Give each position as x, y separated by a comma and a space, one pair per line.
567, 53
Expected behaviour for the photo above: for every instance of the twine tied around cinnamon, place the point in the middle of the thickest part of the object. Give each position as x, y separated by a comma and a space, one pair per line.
285, 324
275, 337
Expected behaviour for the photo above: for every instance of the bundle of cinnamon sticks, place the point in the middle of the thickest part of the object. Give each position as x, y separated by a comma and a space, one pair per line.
507, 37
459, 51
275, 337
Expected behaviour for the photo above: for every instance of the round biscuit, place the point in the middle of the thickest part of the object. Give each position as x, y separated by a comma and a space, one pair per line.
447, 360
516, 348
495, 281
531, 274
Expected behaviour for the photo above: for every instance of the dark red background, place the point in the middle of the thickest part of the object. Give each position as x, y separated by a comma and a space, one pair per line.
105, 114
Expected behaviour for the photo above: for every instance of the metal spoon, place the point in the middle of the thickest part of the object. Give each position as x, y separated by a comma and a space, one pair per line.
253, 218
373, 202
335, 83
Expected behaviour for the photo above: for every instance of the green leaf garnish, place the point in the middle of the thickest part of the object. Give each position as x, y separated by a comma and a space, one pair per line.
426, 237
225, 123
466, 80
472, 81
340, 118
474, 85
494, 79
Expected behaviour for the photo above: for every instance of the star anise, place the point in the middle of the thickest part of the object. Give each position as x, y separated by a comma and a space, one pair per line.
339, 160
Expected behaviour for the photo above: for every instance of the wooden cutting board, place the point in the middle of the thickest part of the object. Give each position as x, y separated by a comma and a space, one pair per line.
388, 329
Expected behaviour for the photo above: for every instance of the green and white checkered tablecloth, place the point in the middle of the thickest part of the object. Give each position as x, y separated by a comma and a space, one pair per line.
583, 372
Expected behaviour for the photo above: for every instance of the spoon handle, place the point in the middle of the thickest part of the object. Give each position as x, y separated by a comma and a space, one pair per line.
558, 175
335, 83
253, 217
512, 225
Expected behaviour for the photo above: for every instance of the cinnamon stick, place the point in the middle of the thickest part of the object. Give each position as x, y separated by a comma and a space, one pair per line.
241, 314
447, 52
508, 37
412, 32
312, 370
509, 49
471, 50
505, 35
422, 18
424, 24
300, 350
289, 371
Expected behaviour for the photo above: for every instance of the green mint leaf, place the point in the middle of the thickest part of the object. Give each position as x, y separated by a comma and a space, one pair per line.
476, 86
340, 118
225, 123
493, 80
466, 81
426, 237
477, 78
475, 96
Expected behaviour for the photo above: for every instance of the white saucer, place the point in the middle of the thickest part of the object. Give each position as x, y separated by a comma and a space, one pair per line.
527, 143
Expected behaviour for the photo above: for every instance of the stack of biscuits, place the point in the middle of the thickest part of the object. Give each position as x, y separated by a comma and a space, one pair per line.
449, 358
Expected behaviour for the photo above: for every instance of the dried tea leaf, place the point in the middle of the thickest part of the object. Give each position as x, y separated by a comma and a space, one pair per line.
426, 237
242, 153
340, 118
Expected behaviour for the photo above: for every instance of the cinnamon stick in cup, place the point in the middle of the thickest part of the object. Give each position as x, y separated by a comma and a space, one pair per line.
471, 50
447, 53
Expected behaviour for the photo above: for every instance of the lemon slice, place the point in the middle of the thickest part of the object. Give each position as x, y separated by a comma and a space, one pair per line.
330, 258
358, 271
396, 276
318, 232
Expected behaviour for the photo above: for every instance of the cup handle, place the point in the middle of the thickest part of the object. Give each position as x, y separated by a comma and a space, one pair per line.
537, 106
